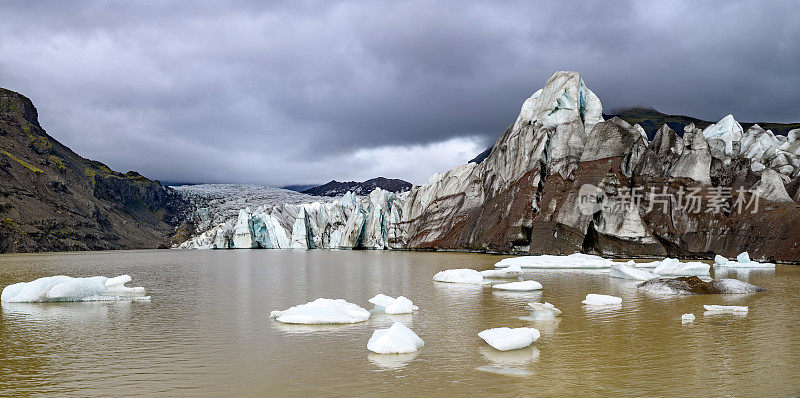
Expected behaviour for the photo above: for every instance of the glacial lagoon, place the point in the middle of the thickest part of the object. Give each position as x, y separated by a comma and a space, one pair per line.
206, 332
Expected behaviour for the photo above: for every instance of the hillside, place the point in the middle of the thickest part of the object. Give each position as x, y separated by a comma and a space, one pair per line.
52, 199
336, 188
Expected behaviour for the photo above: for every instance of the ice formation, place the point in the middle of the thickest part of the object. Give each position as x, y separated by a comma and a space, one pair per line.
726, 309
686, 318
543, 311
742, 261
511, 272
397, 339
322, 311
627, 271
505, 339
601, 299
694, 285
674, 267
65, 288
523, 286
575, 260
393, 306
459, 275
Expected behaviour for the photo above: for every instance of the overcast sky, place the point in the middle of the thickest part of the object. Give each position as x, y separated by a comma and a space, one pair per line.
303, 92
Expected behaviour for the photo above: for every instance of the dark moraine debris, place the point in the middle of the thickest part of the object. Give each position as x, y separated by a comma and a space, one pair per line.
693, 285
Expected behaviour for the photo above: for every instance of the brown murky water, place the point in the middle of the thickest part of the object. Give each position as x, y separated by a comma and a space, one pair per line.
206, 333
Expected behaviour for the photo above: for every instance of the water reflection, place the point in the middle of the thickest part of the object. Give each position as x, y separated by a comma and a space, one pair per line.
392, 361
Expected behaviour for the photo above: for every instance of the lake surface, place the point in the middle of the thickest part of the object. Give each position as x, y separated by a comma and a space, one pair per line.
206, 331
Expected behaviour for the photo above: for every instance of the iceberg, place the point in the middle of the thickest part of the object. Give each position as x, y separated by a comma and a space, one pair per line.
543, 311
459, 275
673, 267
575, 260
601, 299
628, 272
687, 318
66, 288
397, 339
322, 311
510, 272
505, 339
726, 309
393, 306
524, 286
742, 261
694, 285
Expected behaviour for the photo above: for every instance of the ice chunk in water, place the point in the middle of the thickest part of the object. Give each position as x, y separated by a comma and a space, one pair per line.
65, 288
524, 286
686, 318
393, 306
322, 311
601, 299
626, 271
736, 309
719, 260
505, 339
460, 275
543, 311
673, 267
398, 339
510, 272
743, 257
575, 260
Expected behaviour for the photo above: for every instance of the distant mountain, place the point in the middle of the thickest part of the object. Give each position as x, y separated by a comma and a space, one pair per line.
481, 156
336, 188
52, 199
299, 188
651, 120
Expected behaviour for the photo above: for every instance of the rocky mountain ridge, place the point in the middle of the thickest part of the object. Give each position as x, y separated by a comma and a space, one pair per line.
561, 179
335, 188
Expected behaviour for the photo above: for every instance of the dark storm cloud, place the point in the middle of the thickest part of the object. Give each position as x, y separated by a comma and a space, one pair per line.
295, 92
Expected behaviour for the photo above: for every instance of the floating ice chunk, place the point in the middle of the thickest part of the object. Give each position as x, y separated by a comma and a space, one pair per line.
524, 286
381, 301
687, 318
627, 272
543, 311
322, 311
460, 275
505, 339
398, 339
393, 306
726, 309
510, 272
673, 267
601, 299
743, 257
65, 288
575, 260
719, 260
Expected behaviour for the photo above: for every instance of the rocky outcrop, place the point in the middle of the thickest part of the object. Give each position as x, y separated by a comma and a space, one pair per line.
561, 180
51, 199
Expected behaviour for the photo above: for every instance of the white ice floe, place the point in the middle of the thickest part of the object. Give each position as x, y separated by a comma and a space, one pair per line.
510, 272
687, 318
393, 306
627, 271
505, 339
397, 339
65, 288
601, 299
543, 311
729, 309
322, 311
460, 275
575, 260
742, 261
524, 286
674, 267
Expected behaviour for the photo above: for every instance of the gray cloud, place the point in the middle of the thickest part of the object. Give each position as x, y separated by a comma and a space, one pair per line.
298, 92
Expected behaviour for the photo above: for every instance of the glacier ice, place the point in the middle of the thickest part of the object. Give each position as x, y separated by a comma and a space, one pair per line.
505, 339
65, 288
575, 260
459, 275
601, 299
393, 306
742, 261
628, 271
322, 311
687, 318
720, 260
397, 339
674, 267
523, 286
510, 272
543, 311
726, 309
